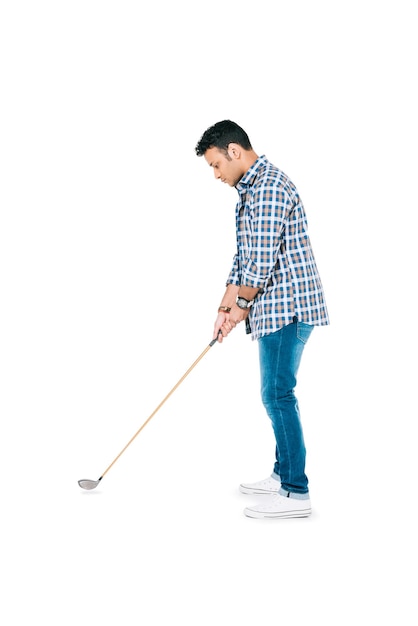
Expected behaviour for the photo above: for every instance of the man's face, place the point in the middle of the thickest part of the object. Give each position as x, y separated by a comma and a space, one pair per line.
227, 167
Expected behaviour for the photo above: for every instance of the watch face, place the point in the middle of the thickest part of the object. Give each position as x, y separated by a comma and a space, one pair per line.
243, 303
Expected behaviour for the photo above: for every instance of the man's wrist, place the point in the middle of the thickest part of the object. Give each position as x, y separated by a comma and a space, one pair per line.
243, 303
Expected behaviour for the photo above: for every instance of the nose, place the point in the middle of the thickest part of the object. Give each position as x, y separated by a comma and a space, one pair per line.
217, 174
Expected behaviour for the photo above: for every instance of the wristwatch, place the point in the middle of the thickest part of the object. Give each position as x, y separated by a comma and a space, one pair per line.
243, 303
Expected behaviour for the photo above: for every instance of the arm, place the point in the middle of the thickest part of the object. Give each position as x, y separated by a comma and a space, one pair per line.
270, 208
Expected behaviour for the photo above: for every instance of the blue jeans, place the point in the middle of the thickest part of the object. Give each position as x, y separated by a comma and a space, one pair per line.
280, 354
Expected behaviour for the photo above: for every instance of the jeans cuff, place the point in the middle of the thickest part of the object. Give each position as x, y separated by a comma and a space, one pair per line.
291, 494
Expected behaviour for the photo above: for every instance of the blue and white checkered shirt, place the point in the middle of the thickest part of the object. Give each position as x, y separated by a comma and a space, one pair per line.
274, 252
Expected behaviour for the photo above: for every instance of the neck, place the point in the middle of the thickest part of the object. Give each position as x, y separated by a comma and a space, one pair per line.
249, 157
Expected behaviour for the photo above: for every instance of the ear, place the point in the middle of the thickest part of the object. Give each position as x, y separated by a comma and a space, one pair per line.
234, 150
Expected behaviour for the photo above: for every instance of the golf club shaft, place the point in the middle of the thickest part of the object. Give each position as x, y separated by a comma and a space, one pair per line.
160, 405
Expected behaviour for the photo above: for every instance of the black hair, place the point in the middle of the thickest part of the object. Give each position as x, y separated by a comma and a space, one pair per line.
220, 135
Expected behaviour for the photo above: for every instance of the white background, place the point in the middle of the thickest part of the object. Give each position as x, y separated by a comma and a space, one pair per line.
115, 243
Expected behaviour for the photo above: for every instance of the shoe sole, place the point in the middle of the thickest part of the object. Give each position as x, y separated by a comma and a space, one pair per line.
284, 515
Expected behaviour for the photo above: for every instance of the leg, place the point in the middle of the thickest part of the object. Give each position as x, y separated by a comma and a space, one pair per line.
280, 355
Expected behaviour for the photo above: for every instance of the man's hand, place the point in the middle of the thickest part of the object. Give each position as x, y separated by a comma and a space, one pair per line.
225, 322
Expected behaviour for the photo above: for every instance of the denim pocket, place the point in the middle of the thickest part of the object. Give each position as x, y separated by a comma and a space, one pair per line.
303, 331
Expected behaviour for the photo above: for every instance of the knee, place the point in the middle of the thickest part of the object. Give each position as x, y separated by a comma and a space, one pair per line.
276, 395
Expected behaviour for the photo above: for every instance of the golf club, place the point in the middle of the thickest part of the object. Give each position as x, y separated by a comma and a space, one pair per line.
92, 484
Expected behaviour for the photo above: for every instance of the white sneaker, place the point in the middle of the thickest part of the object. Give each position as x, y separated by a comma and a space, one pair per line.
265, 487
279, 506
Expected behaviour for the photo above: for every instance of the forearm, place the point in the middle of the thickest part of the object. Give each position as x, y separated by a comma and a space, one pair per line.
232, 291
249, 293
230, 296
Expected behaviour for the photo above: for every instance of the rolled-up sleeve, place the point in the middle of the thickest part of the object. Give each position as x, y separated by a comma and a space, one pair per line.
234, 277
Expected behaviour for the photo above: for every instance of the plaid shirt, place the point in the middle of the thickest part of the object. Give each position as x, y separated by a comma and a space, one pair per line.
274, 252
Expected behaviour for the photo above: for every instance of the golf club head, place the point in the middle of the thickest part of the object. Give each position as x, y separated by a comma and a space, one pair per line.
88, 484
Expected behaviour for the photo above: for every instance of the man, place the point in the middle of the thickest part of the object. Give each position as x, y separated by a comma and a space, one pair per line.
274, 287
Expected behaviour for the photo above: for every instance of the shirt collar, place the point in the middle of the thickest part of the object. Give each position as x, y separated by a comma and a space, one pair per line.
250, 175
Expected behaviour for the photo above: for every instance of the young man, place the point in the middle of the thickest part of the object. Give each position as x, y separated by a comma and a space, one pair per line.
274, 287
